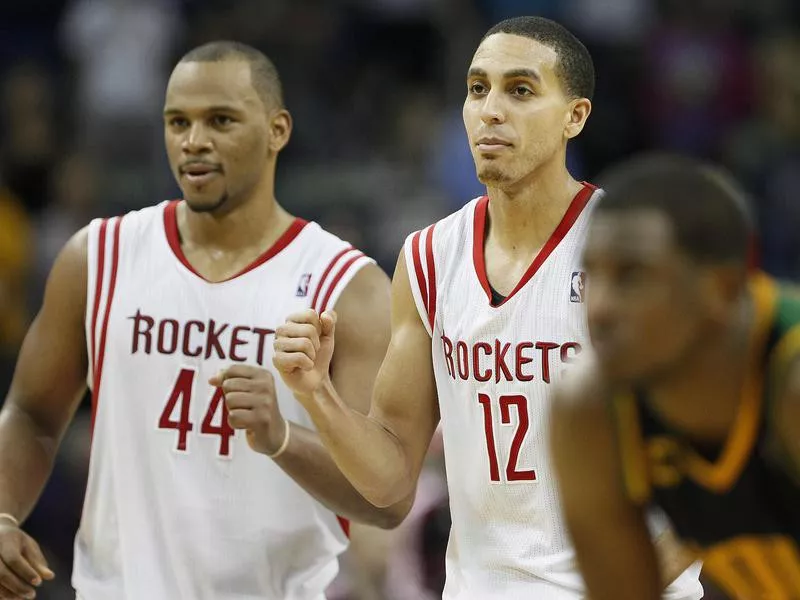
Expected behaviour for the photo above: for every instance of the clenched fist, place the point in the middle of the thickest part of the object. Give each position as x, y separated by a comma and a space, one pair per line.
22, 565
303, 350
250, 400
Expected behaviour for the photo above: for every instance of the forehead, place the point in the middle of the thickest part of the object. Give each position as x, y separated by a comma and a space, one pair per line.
197, 85
643, 235
505, 52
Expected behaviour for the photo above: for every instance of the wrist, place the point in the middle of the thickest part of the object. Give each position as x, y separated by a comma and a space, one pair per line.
9, 518
287, 433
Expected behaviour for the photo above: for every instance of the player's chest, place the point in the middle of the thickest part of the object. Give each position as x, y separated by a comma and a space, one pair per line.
170, 315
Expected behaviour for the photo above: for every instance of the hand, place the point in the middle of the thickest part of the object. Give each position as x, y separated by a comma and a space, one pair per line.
22, 565
250, 400
303, 350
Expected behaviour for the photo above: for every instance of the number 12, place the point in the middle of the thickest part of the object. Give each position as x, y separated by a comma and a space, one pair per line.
521, 404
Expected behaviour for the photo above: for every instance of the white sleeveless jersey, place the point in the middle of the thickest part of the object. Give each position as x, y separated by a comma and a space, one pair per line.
178, 507
494, 368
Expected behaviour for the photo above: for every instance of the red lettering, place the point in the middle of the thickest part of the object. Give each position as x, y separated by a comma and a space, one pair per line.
142, 324
162, 336
545, 347
523, 360
262, 334
212, 341
187, 334
235, 341
565, 351
500, 362
476, 369
447, 348
462, 358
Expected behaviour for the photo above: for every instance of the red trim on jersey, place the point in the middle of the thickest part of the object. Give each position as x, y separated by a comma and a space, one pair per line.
174, 240
98, 290
325, 274
431, 276
479, 234
98, 371
345, 525
421, 283
338, 278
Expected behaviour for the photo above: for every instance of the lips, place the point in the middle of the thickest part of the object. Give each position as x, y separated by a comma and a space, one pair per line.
492, 144
198, 168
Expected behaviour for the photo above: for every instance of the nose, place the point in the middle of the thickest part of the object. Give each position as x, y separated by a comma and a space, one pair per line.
492, 111
196, 140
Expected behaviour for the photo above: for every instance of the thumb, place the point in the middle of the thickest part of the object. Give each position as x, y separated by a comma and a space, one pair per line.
216, 380
328, 322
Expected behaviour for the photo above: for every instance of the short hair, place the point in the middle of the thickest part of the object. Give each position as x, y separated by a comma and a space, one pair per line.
263, 73
575, 68
709, 212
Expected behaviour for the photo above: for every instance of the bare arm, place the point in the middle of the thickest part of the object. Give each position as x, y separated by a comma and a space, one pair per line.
48, 385
362, 336
615, 552
381, 454
786, 419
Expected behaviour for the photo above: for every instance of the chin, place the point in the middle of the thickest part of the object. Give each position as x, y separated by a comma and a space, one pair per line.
205, 204
492, 175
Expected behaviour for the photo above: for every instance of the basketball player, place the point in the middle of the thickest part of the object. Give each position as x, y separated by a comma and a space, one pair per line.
167, 313
484, 318
692, 400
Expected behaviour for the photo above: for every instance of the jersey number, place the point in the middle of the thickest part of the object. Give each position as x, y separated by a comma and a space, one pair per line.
176, 414
521, 408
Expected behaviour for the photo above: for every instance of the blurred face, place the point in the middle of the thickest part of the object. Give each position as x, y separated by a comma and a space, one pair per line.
645, 301
516, 114
220, 138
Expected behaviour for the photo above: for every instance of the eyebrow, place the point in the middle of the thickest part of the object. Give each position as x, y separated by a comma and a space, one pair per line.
512, 74
211, 109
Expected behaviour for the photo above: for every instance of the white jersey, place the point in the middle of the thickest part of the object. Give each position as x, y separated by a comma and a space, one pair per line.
178, 507
494, 367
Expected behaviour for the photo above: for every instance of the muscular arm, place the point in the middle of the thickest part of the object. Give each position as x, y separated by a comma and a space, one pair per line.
48, 384
362, 336
381, 453
613, 545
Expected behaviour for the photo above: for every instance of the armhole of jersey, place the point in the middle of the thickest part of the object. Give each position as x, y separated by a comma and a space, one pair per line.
422, 274
630, 447
339, 272
102, 263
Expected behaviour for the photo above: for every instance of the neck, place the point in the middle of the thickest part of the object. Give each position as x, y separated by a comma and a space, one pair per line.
703, 401
524, 216
258, 221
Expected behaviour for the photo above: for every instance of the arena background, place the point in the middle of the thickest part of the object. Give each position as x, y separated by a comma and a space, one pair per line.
376, 88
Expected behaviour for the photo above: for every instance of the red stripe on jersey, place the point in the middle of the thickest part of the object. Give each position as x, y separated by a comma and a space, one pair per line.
98, 290
325, 274
345, 525
338, 278
431, 276
174, 240
423, 286
98, 372
479, 229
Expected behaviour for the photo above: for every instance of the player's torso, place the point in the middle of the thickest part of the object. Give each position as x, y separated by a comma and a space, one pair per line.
494, 368
178, 505
737, 504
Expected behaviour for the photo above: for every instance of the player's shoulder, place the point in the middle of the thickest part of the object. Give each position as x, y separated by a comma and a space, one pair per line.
454, 222
131, 223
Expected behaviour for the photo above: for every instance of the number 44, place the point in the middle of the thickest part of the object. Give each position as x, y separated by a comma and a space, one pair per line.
180, 400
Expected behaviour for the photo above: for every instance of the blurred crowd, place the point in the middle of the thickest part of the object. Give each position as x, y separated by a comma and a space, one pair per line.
375, 88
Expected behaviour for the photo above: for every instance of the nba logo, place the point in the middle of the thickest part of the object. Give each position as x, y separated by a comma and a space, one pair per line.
302, 286
576, 286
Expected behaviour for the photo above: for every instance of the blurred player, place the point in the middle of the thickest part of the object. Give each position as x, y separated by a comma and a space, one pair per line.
693, 397
485, 316
167, 313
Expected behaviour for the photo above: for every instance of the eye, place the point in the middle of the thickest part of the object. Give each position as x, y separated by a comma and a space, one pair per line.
222, 120
178, 122
477, 88
521, 90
